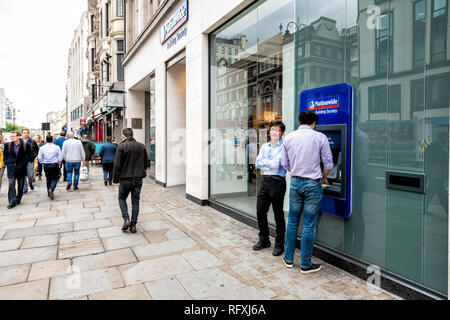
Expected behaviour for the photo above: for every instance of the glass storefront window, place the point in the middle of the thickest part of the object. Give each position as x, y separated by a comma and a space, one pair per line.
395, 57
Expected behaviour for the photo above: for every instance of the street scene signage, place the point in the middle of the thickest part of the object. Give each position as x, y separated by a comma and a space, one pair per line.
176, 20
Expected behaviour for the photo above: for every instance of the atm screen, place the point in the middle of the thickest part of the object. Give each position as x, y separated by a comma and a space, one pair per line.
336, 177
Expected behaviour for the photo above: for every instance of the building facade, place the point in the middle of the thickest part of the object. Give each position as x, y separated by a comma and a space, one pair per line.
7, 110
105, 48
204, 79
77, 91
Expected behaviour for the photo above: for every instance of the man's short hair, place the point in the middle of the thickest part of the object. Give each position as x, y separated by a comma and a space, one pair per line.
16, 132
62, 134
308, 118
70, 135
278, 124
49, 139
26, 130
108, 139
128, 132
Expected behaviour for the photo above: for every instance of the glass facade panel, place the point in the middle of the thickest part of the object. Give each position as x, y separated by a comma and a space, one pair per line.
152, 128
394, 54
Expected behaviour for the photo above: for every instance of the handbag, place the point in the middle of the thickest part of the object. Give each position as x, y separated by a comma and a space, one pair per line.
84, 173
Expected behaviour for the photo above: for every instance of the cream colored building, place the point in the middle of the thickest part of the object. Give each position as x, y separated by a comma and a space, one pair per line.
77, 90
105, 49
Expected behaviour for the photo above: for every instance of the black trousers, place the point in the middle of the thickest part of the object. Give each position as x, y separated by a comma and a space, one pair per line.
127, 186
272, 191
52, 173
13, 196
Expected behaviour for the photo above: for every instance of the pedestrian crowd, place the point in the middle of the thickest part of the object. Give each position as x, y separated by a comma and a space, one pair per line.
304, 153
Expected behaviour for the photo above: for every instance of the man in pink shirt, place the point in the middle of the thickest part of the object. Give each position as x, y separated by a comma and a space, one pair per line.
303, 152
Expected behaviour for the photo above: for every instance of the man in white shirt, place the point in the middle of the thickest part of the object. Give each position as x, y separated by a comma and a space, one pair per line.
73, 154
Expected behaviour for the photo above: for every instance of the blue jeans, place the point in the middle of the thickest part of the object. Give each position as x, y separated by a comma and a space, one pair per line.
73, 166
307, 195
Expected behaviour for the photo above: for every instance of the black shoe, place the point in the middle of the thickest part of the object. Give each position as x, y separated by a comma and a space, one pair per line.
110, 182
312, 269
287, 264
12, 205
106, 182
31, 186
277, 251
262, 244
51, 195
69, 185
18, 202
76, 188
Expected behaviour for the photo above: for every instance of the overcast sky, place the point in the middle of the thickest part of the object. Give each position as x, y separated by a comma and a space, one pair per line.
35, 41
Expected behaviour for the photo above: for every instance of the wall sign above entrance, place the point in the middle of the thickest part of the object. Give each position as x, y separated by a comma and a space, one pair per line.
176, 20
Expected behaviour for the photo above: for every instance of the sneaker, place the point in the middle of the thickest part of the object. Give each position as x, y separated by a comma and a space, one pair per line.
312, 269
261, 245
288, 264
277, 251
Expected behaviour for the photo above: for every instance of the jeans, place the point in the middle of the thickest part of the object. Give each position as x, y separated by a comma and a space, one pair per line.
108, 171
14, 197
272, 191
52, 174
30, 175
126, 186
70, 167
307, 195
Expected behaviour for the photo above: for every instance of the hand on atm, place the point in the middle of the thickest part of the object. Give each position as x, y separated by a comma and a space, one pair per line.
325, 183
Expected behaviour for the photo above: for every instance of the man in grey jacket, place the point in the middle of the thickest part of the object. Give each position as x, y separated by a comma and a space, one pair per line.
73, 154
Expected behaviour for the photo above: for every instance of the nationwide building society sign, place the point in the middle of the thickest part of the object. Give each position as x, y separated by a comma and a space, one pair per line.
176, 20
324, 106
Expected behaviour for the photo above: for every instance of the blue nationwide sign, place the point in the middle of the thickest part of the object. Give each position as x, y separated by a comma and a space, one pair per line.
176, 20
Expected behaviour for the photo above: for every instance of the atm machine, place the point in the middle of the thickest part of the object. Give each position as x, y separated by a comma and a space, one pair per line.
334, 106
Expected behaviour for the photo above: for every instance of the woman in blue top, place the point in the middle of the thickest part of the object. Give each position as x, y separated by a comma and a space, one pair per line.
107, 154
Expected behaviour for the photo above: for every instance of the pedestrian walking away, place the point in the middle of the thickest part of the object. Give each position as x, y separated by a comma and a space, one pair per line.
130, 167
60, 142
37, 164
107, 154
273, 189
2, 162
16, 155
50, 156
73, 155
303, 152
30, 166
89, 149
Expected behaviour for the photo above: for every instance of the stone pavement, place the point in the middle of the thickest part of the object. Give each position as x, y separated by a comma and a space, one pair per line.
73, 248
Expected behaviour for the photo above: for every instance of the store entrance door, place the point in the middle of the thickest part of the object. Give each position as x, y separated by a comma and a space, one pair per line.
176, 122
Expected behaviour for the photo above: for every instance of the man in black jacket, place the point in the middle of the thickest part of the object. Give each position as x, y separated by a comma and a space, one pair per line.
17, 154
130, 165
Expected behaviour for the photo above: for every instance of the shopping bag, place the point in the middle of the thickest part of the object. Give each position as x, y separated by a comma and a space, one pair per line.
84, 174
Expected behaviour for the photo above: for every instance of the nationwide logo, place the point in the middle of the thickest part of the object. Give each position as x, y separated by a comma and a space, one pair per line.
325, 103
178, 18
